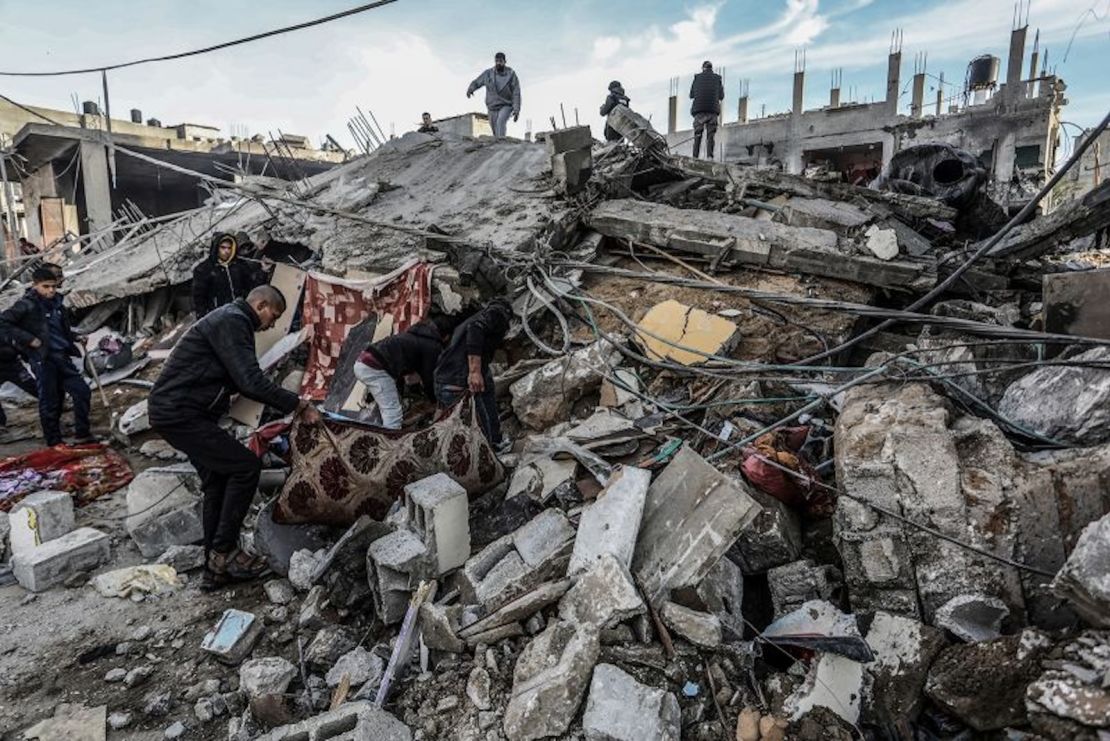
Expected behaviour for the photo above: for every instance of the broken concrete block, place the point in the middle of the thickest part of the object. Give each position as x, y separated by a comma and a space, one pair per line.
521, 608
572, 170
329, 643
233, 637
610, 525
983, 684
549, 681
51, 563
620, 708
834, 682
438, 512
772, 539
545, 396
1071, 698
394, 566
354, 720
439, 626
541, 478
603, 596
1069, 402
135, 419
568, 139
164, 509
38, 518
635, 128
269, 676
1083, 581
692, 515
883, 243
359, 666
516, 563
684, 334
904, 649
796, 583
722, 593
699, 628
972, 617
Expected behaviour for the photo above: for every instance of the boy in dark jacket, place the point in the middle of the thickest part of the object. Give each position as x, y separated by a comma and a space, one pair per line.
37, 325
707, 91
222, 277
616, 97
464, 365
212, 361
399, 360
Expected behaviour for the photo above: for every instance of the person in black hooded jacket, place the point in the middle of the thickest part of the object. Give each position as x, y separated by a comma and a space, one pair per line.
616, 97
222, 277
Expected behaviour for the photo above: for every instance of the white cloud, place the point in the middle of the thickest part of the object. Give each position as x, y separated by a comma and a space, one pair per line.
605, 47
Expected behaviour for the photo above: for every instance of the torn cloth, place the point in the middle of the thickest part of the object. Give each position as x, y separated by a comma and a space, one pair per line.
341, 472
797, 490
333, 306
86, 471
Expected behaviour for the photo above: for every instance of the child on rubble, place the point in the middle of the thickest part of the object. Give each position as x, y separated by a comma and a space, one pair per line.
38, 327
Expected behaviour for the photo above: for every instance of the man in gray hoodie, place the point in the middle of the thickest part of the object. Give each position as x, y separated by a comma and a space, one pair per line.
502, 93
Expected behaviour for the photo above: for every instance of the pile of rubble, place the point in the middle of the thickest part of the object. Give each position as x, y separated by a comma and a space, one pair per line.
703, 531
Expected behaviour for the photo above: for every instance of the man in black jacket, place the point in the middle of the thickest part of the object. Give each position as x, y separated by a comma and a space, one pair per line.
38, 326
464, 365
212, 361
400, 360
615, 98
223, 276
707, 92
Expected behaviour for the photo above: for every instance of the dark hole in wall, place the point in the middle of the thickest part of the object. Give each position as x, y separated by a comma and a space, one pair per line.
948, 171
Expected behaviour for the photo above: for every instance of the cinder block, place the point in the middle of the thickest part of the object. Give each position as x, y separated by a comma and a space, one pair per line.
164, 509
52, 562
518, 562
39, 518
394, 564
439, 512
572, 170
350, 721
542, 537
610, 525
567, 140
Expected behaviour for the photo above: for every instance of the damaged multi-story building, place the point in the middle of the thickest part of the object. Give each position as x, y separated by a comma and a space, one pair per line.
1012, 124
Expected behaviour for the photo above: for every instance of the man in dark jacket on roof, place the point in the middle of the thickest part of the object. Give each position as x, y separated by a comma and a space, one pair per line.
707, 91
212, 361
223, 276
615, 98
464, 365
403, 359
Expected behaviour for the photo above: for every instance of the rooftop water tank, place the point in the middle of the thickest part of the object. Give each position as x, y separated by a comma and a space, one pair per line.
982, 72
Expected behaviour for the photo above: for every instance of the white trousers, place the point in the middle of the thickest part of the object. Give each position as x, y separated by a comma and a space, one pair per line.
383, 389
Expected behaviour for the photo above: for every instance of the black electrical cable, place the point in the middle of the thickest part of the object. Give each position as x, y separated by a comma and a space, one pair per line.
205, 50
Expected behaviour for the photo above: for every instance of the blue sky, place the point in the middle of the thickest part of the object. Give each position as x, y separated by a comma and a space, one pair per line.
419, 55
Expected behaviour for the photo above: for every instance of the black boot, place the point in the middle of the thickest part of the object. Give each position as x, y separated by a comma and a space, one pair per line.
697, 144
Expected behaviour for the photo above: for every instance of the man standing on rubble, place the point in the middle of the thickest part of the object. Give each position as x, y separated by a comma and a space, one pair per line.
404, 359
426, 125
212, 361
222, 277
502, 93
707, 91
615, 98
464, 366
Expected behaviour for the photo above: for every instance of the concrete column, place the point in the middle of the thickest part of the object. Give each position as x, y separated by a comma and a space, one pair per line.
917, 106
1003, 162
893, 74
40, 184
672, 114
834, 97
98, 191
940, 100
799, 91
742, 109
1017, 55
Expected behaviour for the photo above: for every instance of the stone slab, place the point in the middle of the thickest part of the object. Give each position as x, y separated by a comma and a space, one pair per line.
610, 525
51, 563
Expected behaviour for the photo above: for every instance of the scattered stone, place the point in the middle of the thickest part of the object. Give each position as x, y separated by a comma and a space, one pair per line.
141, 633
621, 709
207, 708
446, 704
1083, 580
478, 688
233, 637
972, 617
883, 243
157, 704
610, 525
137, 676
359, 666
359, 720
329, 643
700, 628
203, 688
119, 720
123, 648
550, 679
1071, 698
176, 730
267, 676
904, 649
115, 675
279, 591
603, 597
534, 624
182, 558
302, 567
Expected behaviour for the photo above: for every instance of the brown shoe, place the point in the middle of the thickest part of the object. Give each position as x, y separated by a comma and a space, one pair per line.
222, 569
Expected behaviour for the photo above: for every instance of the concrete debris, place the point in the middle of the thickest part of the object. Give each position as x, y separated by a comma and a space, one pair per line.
302, 566
722, 593
699, 628
38, 518
883, 243
621, 709
439, 627
1085, 579
51, 563
395, 564
819, 625
772, 539
1071, 698
182, 558
692, 516
904, 649
833, 682
233, 637
1070, 403
279, 591
794, 584
573, 376
541, 478
328, 645
603, 596
360, 720
550, 680
610, 525
520, 608
478, 688
132, 581
437, 509
972, 617
358, 666
71, 722
684, 334
163, 507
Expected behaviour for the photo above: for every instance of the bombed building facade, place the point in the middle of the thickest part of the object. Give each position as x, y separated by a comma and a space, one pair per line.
1011, 124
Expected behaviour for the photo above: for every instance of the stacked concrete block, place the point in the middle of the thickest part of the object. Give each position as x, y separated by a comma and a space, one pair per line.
439, 513
39, 518
394, 566
519, 561
572, 163
49, 564
164, 509
610, 525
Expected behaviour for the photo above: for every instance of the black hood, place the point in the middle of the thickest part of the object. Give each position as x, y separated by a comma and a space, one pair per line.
214, 247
